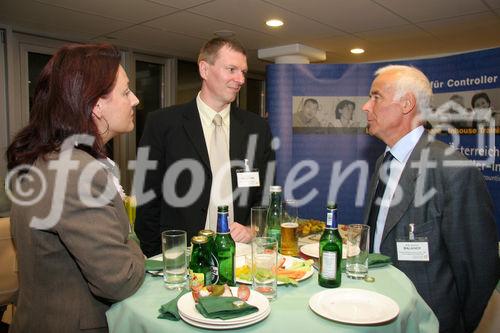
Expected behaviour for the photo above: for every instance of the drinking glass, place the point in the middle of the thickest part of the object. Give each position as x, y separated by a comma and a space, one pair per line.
289, 227
174, 249
130, 207
258, 221
264, 261
358, 247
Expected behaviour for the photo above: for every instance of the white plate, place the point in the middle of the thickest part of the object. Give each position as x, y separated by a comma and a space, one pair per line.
240, 261
187, 307
354, 306
311, 250
243, 249
157, 257
225, 323
225, 327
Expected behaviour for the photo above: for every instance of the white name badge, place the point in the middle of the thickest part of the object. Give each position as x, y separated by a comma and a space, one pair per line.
413, 251
248, 179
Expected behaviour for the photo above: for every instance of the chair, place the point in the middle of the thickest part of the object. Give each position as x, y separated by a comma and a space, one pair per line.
8, 273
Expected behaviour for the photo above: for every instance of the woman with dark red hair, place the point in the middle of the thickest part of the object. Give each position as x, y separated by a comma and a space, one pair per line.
68, 221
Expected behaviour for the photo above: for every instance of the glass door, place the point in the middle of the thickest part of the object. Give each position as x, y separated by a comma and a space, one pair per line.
149, 81
36, 62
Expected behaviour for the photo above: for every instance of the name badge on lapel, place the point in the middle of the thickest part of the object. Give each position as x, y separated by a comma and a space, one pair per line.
248, 177
413, 248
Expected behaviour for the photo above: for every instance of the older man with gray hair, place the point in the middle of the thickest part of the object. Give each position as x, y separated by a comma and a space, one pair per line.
428, 206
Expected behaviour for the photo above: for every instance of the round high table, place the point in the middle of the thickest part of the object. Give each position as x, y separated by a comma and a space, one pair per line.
290, 312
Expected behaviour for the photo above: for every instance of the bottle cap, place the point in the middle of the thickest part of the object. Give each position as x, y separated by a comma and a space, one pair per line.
275, 188
199, 239
369, 279
331, 205
206, 233
222, 209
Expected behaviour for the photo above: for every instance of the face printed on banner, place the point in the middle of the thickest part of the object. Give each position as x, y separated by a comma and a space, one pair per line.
347, 111
310, 109
223, 79
481, 103
384, 114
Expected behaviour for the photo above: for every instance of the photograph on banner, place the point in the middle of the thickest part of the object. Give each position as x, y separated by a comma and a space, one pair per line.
328, 114
466, 110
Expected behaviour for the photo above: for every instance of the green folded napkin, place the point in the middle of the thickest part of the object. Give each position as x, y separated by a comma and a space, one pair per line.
153, 265
224, 307
374, 260
378, 260
169, 310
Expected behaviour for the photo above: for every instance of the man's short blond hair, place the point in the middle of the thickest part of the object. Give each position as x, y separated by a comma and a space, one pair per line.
209, 51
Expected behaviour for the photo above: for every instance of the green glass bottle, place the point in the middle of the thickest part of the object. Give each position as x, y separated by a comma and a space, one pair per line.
225, 248
214, 264
274, 214
199, 265
330, 251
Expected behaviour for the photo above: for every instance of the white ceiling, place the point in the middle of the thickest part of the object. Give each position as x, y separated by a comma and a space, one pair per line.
387, 29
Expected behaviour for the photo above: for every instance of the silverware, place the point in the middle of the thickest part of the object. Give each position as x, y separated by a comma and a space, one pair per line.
156, 273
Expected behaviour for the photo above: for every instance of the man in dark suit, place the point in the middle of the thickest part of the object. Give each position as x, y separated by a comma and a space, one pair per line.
428, 206
181, 140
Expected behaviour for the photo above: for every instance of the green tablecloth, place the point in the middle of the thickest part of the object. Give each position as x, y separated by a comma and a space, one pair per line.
290, 312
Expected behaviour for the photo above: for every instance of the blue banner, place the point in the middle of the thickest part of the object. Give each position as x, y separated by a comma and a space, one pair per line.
323, 156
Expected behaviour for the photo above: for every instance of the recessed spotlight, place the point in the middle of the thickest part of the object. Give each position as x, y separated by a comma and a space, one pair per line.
274, 23
357, 51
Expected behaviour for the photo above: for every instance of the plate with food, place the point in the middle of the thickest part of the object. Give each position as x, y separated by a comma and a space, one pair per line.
154, 265
291, 270
310, 227
190, 314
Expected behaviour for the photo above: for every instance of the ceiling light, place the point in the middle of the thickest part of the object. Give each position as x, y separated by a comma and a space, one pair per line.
274, 23
357, 51
224, 33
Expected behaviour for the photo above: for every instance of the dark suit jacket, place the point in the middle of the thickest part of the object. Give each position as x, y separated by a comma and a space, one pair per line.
70, 273
174, 135
459, 224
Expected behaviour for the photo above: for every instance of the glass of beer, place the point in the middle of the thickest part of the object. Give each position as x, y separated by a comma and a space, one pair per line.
289, 226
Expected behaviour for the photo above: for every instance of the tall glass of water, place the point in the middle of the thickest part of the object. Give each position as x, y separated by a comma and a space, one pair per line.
174, 247
264, 261
358, 248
